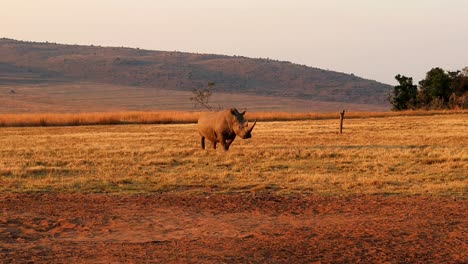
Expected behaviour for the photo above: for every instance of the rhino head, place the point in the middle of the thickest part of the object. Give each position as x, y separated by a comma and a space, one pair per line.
241, 125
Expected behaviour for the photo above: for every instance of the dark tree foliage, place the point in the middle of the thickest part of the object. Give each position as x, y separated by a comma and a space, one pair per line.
459, 84
404, 94
440, 89
436, 85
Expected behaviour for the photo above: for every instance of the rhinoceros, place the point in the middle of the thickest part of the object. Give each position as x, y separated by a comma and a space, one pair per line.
223, 127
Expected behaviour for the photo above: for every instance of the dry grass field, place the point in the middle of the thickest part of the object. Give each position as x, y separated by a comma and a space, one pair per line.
180, 117
96, 97
393, 155
388, 190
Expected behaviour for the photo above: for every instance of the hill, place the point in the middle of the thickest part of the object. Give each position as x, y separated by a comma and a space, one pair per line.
31, 75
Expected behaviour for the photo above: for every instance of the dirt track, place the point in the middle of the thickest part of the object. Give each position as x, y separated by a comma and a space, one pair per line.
98, 228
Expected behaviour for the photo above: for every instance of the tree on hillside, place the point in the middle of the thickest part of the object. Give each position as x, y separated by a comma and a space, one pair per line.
404, 94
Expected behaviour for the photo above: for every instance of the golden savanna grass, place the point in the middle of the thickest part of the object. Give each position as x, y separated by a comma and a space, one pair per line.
179, 117
392, 155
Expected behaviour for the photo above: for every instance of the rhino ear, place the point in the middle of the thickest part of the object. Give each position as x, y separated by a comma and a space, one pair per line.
233, 111
243, 113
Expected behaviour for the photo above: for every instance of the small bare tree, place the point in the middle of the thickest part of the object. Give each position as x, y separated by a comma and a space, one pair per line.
201, 97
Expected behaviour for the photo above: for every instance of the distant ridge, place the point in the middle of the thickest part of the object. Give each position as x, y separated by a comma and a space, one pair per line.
23, 63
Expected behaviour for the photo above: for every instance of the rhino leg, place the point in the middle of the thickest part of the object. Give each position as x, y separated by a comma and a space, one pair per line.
202, 142
228, 143
225, 143
225, 146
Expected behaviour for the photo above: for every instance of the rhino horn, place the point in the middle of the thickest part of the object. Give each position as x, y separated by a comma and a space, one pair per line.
250, 129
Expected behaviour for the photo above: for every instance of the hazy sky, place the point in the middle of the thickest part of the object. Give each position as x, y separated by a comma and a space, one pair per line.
374, 39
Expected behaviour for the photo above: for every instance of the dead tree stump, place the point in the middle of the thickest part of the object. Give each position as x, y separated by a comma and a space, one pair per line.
341, 121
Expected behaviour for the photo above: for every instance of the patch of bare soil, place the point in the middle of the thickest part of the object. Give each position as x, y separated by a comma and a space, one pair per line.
100, 228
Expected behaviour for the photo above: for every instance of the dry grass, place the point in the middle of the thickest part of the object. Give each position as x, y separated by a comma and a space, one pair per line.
94, 104
288, 116
110, 118
173, 117
401, 155
98, 97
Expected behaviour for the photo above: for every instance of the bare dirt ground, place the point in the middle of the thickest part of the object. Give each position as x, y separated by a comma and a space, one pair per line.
240, 228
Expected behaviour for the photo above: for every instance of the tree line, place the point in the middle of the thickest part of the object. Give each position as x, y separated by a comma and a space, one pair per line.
439, 90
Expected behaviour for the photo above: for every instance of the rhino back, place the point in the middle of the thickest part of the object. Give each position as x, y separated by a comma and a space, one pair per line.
212, 124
